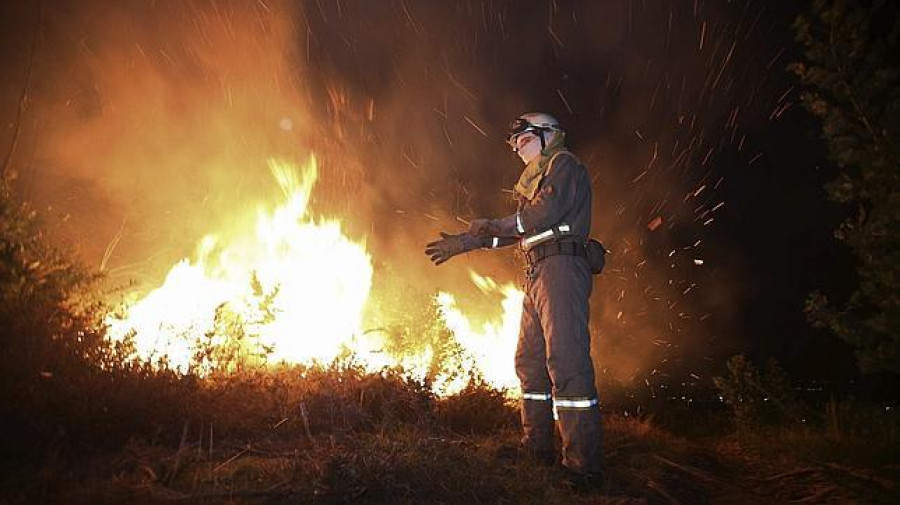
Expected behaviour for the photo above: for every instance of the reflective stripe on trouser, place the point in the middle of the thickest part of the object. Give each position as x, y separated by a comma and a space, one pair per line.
553, 354
573, 404
537, 412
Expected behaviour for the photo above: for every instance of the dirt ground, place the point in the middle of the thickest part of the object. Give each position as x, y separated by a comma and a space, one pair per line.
643, 465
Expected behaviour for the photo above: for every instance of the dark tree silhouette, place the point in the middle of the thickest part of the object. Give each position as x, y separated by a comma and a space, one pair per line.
850, 80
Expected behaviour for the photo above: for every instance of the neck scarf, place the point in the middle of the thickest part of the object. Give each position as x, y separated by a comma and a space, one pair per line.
535, 170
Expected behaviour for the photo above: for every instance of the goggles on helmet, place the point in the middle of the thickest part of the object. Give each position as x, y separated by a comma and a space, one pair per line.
520, 126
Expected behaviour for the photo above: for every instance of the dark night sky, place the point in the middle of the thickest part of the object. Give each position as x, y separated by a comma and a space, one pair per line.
675, 106
772, 241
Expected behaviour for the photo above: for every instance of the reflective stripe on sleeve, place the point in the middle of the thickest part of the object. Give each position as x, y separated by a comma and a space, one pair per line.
537, 239
519, 224
545, 397
495, 241
575, 404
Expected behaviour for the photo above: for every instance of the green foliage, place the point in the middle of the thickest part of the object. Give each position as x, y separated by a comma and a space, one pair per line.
63, 385
757, 398
50, 332
45, 301
852, 84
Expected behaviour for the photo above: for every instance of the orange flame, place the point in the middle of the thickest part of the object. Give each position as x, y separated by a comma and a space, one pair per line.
298, 285
293, 289
492, 346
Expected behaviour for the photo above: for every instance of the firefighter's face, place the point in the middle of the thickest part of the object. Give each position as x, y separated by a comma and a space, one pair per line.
528, 146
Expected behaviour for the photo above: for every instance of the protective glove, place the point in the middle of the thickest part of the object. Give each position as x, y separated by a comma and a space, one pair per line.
505, 227
449, 246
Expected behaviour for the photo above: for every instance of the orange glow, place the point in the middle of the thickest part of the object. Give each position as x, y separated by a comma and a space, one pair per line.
297, 285
492, 345
293, 288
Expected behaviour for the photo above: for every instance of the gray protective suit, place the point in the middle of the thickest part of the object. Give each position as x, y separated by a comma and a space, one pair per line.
553, 357
553, 360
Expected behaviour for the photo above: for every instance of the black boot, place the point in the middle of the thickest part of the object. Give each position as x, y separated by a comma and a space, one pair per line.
521, 453
580, 482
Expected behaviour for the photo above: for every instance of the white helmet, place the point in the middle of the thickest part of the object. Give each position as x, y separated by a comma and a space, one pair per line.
538, 123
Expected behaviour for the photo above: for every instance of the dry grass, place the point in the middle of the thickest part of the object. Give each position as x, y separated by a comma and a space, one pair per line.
313, 435
339, 435
77, 425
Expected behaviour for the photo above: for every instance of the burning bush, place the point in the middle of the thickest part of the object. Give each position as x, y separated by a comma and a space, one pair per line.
67, 386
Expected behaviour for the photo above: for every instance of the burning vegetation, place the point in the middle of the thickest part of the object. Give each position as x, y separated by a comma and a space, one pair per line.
292, 290
242, 312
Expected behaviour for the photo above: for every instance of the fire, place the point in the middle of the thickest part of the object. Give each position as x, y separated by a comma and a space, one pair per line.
293, 288
491, 345
296, 285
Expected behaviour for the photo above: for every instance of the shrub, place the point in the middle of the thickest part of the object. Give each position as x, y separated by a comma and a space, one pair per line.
757, 398
50, 329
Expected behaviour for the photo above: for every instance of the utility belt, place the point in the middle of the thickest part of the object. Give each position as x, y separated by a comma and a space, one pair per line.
553, 248
560, 240
558, 232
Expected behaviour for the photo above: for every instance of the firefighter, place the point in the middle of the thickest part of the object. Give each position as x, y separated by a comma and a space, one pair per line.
551, 226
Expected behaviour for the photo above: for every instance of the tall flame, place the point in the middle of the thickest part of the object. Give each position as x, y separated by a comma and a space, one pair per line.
492, 345
297, 284
293, 289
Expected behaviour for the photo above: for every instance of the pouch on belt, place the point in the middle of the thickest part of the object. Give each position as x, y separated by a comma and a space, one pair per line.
596, 255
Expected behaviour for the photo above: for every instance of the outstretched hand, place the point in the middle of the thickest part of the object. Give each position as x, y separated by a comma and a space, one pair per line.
447, 247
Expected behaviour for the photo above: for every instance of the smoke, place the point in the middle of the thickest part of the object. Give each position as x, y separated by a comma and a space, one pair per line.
661, 100
150, 123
